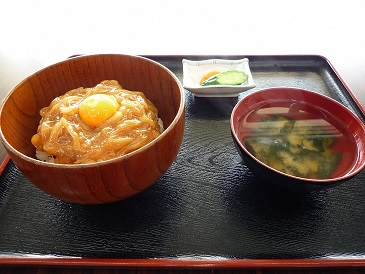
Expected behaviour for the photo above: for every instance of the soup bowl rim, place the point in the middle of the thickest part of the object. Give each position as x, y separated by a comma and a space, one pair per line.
235, 117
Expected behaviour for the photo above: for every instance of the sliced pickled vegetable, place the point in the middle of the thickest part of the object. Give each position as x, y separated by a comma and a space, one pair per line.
231, 77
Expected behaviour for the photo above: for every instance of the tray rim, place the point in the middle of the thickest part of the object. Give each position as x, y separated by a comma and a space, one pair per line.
192, 262
4, 163
318, 56
182, 263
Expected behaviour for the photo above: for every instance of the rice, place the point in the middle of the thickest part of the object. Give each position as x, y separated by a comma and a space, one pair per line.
160, 123
44, 156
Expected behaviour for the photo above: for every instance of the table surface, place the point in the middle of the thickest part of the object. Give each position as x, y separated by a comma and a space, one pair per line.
37, 34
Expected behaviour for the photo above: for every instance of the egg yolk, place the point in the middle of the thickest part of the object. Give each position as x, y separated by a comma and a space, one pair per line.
97, 108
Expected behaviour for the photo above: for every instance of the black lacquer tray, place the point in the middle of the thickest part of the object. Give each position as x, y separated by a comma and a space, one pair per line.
208, 209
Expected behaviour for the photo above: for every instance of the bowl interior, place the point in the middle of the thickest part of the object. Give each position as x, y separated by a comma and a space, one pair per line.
20, 112
306, 107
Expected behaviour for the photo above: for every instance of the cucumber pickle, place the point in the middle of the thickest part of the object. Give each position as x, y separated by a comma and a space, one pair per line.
230, 77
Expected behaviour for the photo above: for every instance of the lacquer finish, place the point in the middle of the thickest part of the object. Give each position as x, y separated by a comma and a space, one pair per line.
207, 194
327, 108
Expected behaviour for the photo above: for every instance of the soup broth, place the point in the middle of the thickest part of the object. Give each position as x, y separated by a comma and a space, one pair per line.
298, 139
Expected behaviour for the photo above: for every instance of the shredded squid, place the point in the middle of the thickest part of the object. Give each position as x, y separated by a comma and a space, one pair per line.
65, 137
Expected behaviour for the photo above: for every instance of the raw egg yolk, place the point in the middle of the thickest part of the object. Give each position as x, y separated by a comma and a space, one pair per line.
97, 108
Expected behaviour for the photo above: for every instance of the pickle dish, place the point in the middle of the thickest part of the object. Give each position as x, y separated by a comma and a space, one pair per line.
217, 77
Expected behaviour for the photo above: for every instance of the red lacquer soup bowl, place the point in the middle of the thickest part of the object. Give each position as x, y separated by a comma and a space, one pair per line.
298, 139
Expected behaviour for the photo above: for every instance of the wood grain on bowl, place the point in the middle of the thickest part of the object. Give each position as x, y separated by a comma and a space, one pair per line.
107, 181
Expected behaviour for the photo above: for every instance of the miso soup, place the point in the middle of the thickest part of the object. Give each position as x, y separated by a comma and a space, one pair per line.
298, 139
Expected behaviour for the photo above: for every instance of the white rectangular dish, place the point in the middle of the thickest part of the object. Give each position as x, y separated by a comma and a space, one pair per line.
194, 71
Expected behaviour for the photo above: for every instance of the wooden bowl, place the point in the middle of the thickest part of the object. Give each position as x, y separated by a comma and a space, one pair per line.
301, 105
106, 181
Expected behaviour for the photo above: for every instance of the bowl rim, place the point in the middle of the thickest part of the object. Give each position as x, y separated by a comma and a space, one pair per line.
180, 112
235, 118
